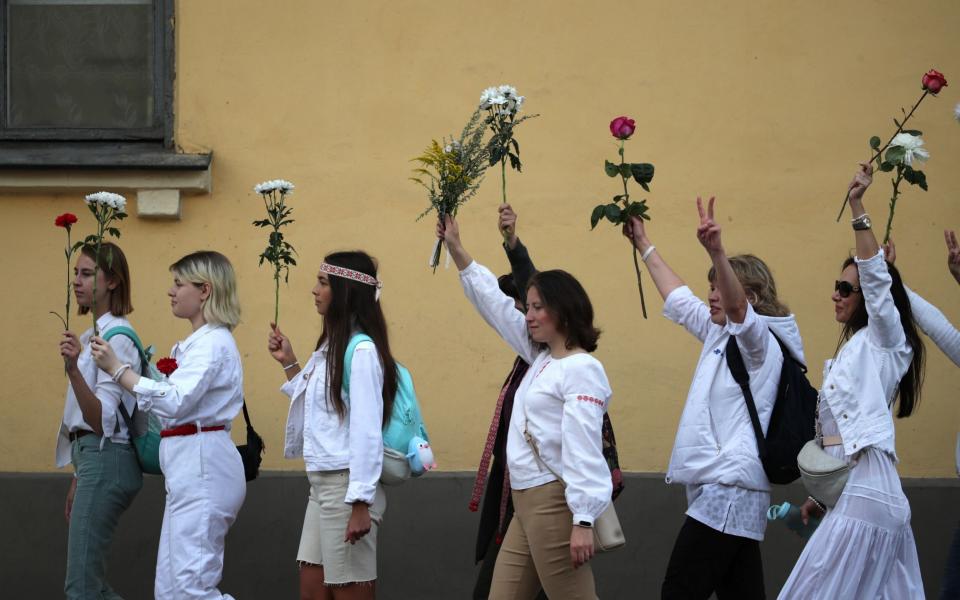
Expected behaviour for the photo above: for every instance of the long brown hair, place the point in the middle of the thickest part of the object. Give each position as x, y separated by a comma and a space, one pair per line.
113, 264
908, 390
353, 306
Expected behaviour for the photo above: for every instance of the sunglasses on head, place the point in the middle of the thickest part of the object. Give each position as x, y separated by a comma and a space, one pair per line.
845, 288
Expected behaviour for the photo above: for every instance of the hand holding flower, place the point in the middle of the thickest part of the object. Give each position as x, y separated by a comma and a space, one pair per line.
635, 230
508, 225
953, 253
279, 347
861, 181
104, 355
70, 350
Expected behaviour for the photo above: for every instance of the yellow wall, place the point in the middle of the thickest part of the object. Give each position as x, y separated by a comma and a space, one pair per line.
768, 105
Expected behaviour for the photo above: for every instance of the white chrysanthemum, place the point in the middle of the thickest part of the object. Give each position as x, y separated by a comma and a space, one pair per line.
507, 90
956, 112
114, 201
913, 147
279, 185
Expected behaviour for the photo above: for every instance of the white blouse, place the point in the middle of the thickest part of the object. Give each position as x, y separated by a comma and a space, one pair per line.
315, 431
560, 401
107, 391
207, 387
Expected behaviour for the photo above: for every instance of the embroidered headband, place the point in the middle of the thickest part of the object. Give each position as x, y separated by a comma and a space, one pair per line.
353, 275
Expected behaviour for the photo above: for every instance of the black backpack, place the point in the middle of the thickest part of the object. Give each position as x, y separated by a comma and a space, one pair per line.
792, 421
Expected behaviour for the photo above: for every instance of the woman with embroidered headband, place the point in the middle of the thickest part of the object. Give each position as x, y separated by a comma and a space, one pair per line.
864, 547
93, 436
560, 405
196, 404
336, 418
715, 454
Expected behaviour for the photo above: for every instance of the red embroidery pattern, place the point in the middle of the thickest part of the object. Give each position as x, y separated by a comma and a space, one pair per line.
586, 398
545, 365
350, 274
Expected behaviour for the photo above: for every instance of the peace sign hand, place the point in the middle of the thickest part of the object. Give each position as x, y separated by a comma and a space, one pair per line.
708, 232
953, 253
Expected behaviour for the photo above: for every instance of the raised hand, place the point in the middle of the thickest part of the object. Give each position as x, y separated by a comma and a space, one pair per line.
708, 231
860, 182
636, 231
279, 346
507, 223
953, 253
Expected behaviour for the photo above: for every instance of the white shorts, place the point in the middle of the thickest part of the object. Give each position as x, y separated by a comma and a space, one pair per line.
325, 525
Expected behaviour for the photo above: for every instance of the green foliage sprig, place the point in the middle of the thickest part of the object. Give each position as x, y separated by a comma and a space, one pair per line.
278, 253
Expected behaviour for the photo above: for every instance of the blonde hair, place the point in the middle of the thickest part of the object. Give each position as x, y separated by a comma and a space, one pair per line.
222, 307
757, 281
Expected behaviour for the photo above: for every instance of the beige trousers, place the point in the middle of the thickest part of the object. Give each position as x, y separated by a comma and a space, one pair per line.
536, 550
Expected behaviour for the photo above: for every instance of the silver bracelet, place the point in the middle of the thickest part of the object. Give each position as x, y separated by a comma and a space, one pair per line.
291, 365
819, 504
120, 370
646, 253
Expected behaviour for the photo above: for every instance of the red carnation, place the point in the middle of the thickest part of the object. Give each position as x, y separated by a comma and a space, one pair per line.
65, 220
167, 365
933, 81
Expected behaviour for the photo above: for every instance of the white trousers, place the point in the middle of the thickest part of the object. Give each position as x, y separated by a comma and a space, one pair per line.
205, 490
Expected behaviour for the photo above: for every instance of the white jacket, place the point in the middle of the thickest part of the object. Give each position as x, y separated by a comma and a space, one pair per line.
860, 384
715, 440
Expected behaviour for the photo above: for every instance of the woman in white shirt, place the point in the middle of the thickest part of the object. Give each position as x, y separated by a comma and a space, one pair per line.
715, 453
93, 436
336, 424
864, 547
560, 404
196, 405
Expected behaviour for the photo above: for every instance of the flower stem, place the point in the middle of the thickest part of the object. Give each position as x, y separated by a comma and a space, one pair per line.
636, 263
503, 176
893, 203
879, 152
66, 323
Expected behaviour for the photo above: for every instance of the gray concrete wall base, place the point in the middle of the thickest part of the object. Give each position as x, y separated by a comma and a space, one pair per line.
427, 539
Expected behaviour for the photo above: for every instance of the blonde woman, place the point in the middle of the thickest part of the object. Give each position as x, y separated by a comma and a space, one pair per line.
196, 405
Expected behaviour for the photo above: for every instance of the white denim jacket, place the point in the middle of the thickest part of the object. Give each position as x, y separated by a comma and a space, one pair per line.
860, 384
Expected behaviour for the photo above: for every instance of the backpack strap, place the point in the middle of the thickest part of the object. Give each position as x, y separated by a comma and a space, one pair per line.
739, 372
144, 361
355, 339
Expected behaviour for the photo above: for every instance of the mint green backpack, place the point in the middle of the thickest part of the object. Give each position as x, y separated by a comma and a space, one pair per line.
144, 427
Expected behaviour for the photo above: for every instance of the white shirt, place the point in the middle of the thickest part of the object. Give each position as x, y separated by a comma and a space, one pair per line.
715, 451
560, 401
108, 392
207, 387
315, 431
941, 331
859, 385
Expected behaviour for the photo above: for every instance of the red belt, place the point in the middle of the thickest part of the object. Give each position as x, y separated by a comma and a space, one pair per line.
189, 429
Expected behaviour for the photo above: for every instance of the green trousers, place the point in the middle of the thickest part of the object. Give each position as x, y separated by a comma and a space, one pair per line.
108, 480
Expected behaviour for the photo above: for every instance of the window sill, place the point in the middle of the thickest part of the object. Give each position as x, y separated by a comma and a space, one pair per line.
158, 176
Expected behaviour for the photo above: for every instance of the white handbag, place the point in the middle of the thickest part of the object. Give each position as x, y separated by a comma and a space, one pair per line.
823, 474
607, 533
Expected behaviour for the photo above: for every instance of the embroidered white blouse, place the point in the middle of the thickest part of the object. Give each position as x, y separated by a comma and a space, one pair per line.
560, 402
108, 392
315, 431
207, 387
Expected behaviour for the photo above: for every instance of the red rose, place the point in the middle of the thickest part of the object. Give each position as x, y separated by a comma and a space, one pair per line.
622, 127
167, 365
934, 81
65, 220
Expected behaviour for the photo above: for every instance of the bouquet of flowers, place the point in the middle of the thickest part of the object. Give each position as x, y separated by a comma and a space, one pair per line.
502, 105
66, 221
452, 172
106, 208
902, 148
278, 253
622, 208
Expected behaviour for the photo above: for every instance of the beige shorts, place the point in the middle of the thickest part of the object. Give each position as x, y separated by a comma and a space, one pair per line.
325, 524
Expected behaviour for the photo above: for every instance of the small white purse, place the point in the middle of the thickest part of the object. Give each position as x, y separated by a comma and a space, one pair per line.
823, 474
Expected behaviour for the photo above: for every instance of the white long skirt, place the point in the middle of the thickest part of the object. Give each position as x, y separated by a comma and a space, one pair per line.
864, 548
205, 490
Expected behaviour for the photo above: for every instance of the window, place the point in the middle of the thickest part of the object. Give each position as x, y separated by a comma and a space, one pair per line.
86, 70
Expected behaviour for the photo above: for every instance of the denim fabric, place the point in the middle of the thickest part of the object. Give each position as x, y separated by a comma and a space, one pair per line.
108, 480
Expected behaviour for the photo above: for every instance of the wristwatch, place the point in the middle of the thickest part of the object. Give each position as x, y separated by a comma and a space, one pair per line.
861, 223
586, 524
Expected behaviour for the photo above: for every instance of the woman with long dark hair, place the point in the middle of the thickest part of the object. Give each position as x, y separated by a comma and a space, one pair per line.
336, 424
555, 429
864, 548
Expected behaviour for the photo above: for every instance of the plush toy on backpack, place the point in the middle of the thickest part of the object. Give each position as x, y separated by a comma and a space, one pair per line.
420, 456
